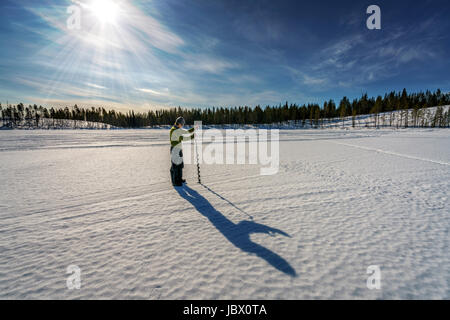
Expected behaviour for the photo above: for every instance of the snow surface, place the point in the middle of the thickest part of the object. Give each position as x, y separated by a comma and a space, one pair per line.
343, 200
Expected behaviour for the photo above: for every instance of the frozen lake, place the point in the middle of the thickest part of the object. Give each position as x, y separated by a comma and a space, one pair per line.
342, 201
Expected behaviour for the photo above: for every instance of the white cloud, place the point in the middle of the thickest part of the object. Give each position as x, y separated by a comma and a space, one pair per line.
95, 85
153, 92
360, 59
208, 64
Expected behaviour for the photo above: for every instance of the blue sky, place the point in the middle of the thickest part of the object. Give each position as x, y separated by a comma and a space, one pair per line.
203, 53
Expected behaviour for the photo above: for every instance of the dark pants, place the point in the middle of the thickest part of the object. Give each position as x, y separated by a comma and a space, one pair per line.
176, 171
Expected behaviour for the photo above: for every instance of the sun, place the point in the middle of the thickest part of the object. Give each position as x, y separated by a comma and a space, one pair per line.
105, 10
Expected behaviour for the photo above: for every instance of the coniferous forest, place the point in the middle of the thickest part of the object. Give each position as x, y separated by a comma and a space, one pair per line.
410, 107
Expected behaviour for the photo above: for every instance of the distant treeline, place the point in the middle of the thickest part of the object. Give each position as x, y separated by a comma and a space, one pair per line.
312, 114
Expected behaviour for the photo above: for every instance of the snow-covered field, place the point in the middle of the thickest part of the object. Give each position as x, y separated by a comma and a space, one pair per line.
341, 202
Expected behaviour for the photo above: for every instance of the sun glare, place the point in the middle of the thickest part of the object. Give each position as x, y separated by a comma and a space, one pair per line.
105, 10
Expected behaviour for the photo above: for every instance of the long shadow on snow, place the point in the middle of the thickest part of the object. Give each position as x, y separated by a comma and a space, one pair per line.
238, 234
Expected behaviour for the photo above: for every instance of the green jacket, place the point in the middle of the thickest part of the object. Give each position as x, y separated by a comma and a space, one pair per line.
177, 136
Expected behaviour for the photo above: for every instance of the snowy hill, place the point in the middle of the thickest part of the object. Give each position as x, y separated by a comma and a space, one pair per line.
45, 123
422, 118
396, 119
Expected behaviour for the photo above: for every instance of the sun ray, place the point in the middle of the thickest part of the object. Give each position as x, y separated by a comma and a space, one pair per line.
107, 11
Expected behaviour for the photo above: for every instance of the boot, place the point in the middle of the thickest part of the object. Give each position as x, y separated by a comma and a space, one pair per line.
172, 175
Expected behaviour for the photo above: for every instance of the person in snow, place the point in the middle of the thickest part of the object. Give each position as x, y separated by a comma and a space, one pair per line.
177, 136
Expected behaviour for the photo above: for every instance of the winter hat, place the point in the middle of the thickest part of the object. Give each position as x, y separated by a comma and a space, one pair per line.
180, 120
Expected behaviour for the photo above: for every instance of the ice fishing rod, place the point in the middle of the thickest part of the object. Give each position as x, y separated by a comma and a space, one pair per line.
198, 161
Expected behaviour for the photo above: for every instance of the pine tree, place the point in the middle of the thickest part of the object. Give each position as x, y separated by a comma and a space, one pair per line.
343, 107
317, 116
353, 118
